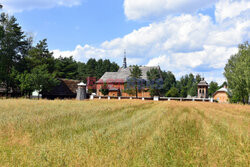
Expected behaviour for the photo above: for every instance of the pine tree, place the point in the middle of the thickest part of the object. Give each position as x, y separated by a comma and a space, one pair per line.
13, 48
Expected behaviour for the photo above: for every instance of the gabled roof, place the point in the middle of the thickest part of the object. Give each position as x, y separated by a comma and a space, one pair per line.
222, 90
123, 74
66, 87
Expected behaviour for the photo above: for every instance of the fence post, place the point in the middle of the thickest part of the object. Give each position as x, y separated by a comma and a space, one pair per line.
109, 98
156, 98
91, 97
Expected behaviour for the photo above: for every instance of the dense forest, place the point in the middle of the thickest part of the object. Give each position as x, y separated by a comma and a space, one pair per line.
27, 68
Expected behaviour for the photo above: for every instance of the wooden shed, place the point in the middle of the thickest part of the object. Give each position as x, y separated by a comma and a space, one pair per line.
65, 90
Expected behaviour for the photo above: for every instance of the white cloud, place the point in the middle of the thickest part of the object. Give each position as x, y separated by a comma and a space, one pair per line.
14, 6
183, 33
212, 57
191, 41
83, 53
182, 44
230, 9
141, 9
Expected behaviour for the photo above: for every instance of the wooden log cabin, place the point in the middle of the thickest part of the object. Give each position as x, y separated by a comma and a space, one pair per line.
116, 81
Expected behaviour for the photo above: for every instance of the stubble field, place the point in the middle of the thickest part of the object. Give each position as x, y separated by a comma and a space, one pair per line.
123, 133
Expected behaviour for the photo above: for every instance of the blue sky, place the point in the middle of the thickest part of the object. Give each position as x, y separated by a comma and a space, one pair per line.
92, 22
182, 36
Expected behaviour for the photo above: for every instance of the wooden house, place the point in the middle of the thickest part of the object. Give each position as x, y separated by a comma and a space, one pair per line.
117, 82
65, 90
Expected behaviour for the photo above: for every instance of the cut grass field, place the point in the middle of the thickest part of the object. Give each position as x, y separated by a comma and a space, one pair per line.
123, 133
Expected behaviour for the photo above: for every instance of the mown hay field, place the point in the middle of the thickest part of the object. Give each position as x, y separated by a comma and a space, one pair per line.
123, 133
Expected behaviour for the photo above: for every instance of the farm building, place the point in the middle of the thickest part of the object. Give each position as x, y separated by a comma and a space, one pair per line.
221, 95
66, 89
117, 81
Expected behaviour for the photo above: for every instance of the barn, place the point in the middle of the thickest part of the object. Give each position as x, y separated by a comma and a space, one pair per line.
66, 89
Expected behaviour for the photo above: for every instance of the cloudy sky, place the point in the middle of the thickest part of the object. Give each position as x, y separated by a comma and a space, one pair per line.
182, 36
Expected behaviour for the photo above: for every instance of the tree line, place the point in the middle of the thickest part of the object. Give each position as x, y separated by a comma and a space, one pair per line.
25, 68
168, 85
236, 72
28, 67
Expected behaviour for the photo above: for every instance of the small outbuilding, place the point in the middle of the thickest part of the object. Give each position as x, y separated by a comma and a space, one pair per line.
81, 91
66, 89
222, 95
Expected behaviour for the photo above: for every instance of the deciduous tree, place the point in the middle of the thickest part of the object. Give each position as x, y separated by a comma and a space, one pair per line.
104, 89
213, 87
156, 82
136, 74
173, 92
237, 73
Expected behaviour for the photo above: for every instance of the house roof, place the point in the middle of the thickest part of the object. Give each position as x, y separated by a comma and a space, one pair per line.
123, 74
66, 87
202, 83
222, 90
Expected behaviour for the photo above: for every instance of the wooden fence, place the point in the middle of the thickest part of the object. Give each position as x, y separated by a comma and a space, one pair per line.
156, 98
